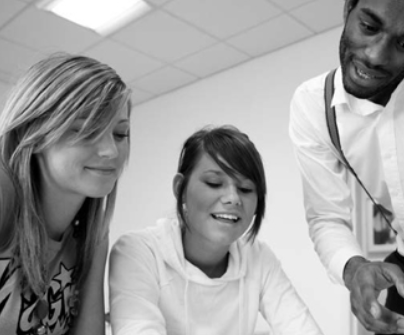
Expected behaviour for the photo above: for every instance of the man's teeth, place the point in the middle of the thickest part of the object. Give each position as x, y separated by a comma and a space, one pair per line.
226, 217
365, 75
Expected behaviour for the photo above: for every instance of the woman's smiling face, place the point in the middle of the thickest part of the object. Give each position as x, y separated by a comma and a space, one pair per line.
88, 168
219, 207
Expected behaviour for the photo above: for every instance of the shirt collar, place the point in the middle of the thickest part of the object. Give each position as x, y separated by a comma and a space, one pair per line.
355, 105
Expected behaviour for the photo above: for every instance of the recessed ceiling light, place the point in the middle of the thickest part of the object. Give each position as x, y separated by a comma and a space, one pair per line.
103, 16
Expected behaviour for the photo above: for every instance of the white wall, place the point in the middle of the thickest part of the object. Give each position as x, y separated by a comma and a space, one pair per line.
4, 89
254, 97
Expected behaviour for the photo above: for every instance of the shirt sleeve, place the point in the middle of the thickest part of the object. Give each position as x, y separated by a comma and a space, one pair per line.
327, 196
134, 289
280, 304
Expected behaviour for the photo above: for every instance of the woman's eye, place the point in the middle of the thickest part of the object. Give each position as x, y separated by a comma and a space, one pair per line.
72, 133
74, 130
246, 190
121, 136
213, 185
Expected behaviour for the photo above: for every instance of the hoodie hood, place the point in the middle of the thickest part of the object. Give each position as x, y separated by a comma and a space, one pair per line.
168, 238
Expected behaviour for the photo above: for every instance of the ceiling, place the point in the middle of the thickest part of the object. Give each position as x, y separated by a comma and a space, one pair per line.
177, 43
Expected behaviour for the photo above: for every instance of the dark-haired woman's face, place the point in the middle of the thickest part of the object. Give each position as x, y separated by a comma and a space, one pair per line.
219, 207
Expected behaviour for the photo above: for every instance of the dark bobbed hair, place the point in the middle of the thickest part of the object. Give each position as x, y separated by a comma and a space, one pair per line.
225, 144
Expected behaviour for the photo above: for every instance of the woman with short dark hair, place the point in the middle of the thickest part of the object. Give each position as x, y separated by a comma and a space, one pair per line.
205, 272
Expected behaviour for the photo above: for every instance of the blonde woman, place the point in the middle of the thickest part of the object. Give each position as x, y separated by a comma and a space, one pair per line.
64, 139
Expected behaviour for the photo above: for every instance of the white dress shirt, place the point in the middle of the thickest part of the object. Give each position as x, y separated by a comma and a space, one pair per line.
374, 146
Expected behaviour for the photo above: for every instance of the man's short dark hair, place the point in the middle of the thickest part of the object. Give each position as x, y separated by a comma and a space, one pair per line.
349, 5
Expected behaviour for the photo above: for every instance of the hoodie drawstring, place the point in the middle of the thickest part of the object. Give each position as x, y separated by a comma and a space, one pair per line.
186, 306
240, 306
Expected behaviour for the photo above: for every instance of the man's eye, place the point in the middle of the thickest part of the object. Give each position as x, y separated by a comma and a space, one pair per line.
368, 27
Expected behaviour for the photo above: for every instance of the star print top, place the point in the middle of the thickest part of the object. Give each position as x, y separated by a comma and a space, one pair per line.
17, 309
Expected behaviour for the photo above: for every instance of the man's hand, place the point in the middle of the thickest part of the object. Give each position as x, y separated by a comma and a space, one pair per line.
365, 280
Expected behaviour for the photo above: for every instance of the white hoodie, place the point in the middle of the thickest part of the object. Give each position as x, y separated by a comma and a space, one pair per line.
155, 290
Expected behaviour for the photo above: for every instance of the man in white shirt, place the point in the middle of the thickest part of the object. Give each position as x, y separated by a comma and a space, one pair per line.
369, 104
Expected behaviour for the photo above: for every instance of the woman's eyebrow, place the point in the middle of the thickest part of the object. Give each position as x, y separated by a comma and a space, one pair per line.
218, 172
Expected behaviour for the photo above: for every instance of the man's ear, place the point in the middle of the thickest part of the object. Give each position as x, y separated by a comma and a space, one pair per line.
177, 182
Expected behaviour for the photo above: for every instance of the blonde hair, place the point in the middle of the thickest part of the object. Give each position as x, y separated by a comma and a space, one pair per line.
43, 104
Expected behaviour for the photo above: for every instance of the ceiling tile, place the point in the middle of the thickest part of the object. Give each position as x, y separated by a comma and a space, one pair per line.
9, 8
47, 32
176, 43
211, 60
269, 36
129, 63
289, 4
139, 96
163, 36
320, 15
15, 59
223, 18
164, 80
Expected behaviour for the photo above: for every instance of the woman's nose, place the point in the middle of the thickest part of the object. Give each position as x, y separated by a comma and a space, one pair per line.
232, 196
107, 146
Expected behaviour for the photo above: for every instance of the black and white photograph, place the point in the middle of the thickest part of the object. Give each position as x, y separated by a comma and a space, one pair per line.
201, 167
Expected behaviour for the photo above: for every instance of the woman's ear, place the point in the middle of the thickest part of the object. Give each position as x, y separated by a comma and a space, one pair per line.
177, 182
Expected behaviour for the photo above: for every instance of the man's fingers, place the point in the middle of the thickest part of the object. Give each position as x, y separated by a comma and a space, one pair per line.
387, 322
368, 311
394, 275
400, 325
368, 298
367, 283
376, 317
400, 322
400, 287
375, 310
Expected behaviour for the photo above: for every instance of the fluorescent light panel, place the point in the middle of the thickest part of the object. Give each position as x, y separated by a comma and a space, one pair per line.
103, 16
